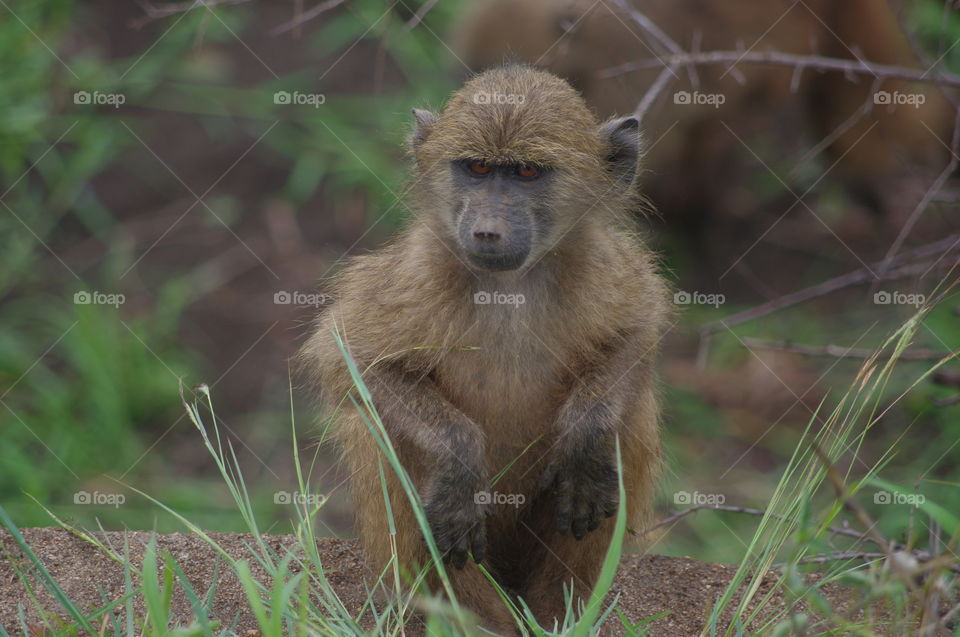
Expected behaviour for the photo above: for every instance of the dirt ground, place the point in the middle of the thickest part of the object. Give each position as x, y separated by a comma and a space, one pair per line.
647, 584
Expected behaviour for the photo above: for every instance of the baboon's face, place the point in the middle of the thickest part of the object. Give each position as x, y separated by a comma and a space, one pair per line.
515, 162
500, 212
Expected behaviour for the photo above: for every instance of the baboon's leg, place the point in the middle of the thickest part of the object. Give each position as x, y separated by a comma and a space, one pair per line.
558, 558
475, 592
563, 561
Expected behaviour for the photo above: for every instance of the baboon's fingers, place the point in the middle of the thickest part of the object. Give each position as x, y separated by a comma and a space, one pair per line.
581, 518
458, 555
595, 518
479, 542
580, 528
441, 536
442, 542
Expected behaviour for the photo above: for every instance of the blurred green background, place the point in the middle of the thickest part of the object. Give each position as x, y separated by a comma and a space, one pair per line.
153, 165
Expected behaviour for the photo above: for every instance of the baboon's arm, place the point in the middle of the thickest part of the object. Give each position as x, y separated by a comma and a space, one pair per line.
582, 471
414, 411
604, 390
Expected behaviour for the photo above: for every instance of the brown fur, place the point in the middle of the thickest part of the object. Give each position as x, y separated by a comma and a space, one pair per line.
458, 382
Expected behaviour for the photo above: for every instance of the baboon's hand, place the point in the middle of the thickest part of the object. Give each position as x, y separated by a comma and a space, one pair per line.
456, 508
584, 483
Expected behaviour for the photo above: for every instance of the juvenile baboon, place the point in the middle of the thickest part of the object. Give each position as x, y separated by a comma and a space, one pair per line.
699, 156
511, 327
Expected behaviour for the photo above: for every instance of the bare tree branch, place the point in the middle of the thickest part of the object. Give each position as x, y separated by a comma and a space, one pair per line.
859, 276
735, 509
839, 351
819, 62
834, 557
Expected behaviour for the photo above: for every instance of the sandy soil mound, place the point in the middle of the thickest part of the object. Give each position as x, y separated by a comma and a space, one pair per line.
647, 584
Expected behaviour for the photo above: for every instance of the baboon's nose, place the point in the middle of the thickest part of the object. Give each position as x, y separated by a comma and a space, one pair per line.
486, 235
489, 229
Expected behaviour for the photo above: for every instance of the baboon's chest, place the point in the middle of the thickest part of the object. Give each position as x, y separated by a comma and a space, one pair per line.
513, 372
512, 383
513, 394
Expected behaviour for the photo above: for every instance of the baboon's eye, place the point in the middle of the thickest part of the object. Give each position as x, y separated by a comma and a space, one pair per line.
527, 171
479, 167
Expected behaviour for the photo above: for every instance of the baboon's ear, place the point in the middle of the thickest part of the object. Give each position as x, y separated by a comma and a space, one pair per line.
623, 139
423, 124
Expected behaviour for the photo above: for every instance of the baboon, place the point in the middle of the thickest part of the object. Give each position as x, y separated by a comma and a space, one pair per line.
510, 330
698, 156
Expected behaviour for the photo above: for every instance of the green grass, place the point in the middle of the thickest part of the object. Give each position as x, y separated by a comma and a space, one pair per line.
826, 458
821, 481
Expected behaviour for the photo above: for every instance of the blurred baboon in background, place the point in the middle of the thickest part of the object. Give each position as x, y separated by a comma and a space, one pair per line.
765, 112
